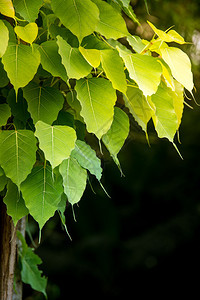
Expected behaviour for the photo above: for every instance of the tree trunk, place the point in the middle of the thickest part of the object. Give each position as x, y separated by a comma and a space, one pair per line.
7, 253
8, 250
17, 293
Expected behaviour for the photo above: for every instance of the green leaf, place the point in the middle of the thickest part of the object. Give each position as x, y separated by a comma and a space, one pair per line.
19, 107
17, 154
15, 203
30, 273
4, 37
114, 69
178, 101
124, 2
42, 192
28, 9
6, 8
136, 43
3, 179
114, 139
165, 119
3, 76
1, 171
167, 74
44, 103
111, 23
138, 106
170, 36
5, 113
144, 70
73, 61
75, 105
92, 56
61, 210
80, 17
92, 42
127, 9
21, 63
87, 158
97, 98
65, 33
3, 182
56, 142
65, 118
180, 65
74, 179
51, 60
27, 33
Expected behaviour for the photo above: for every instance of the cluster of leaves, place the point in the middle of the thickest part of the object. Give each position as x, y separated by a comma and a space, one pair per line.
62, 71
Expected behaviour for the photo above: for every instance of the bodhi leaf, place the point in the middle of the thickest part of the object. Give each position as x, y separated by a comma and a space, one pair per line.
30, 273
7, 9
65, 33
144, 70
114, 139
136, 43
3, 76
167, 74
97, 98
51, 60
42, 193
170, 36
1, 171
28, 9
19, 107
27, 33
56, 142
178, 101
74, 179
165, 119
80, 17
92, 42
180, 65
21, 63
12, 36
92, 56
138, 106
111, 23
127, 9
3, 182
3, 179
75, 105
87, 158
114, 69
4, 37
44, 103
5, 113
73, 61
15, 203
17, 153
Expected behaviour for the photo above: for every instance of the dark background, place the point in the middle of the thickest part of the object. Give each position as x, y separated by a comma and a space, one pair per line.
146, 238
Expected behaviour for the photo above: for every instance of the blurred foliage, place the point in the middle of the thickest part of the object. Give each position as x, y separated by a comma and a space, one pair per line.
148, 234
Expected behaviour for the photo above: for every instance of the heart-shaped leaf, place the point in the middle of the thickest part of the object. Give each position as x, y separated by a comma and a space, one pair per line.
21, 63
17, 153
57, 142
42, 193
6, 8
27, 33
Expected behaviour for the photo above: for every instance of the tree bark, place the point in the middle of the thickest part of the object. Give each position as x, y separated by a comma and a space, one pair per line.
7, 253
17, 293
